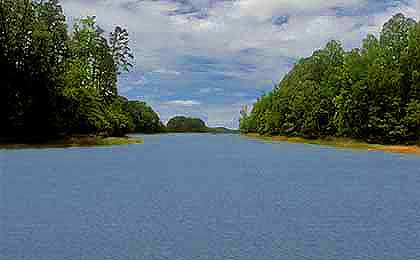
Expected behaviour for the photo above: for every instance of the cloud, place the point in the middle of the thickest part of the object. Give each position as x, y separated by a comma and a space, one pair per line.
165, 71
269, 8
214, 115
210, 90
141, 81
186, 49
183, 103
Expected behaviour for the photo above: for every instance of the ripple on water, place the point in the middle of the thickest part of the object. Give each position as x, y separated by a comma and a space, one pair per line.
208, 197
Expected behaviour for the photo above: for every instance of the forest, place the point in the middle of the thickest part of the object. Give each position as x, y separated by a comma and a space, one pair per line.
58, 81
371, 93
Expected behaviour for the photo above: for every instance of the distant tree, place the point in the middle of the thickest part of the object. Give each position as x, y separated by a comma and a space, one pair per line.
186, 124
143, 118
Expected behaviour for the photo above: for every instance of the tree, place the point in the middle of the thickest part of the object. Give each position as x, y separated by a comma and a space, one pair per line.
120, 49
371, 93
143, 118
394, 35
32, 45
186, 124
55, 83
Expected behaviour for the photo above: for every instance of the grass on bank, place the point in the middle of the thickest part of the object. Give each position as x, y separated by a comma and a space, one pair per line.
74, 141
345, 143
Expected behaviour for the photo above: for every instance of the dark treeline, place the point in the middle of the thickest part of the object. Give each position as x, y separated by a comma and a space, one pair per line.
55, 82
370, 93
182, 124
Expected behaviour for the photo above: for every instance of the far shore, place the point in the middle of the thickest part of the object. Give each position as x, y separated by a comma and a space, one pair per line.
345, 143
74, 141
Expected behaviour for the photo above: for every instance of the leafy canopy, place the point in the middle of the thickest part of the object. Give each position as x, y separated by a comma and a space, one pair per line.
371, 93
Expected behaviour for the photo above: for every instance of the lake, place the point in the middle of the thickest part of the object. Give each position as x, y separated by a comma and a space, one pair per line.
203, 196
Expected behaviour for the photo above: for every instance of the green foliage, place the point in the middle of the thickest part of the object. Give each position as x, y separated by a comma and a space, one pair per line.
120, 50
32, 48
372, 93
412, 120
55, 82
143, 118
186, 124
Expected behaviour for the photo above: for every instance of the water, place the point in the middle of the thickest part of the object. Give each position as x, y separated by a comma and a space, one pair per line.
191, 197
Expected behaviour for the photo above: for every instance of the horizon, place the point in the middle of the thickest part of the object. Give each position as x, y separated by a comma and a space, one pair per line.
207, 58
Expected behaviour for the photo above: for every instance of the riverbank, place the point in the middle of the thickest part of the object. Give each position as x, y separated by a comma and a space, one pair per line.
345, 143
74, 141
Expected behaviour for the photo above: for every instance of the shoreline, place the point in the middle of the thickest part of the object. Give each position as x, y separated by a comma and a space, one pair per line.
74, 141
341, 142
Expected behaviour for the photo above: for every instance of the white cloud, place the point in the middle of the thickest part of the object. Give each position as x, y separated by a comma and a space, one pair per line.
374, 26
183, 103
165, 71
227, 28
210, 90
141, 81
263, 9
214, 115
160, 40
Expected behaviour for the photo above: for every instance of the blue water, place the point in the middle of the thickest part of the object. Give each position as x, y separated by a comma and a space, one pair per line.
194, 197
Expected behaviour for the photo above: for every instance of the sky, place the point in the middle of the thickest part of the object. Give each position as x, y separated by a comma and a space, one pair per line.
207, 58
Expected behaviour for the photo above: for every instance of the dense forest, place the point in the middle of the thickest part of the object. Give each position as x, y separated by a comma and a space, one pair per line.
57, 82
370, 93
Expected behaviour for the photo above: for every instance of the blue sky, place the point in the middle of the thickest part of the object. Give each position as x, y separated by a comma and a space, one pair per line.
206, 58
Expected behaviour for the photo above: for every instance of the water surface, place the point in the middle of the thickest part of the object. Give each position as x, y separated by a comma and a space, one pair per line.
188, 197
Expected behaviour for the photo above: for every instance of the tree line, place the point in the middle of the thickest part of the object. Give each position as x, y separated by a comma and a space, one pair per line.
59, 82
370, 93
